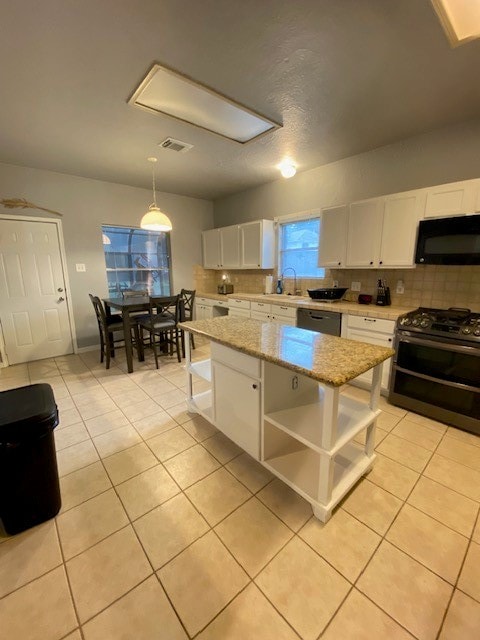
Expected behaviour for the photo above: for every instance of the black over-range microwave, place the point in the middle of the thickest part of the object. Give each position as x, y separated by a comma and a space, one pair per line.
453, 240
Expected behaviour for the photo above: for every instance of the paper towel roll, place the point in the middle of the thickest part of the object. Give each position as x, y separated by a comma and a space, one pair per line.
268, 284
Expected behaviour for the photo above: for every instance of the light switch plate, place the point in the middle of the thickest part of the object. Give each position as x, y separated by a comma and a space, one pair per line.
356, 286
400, 287
80, 267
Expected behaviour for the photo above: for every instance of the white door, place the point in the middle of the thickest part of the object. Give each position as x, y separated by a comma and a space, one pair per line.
251, 244
229, 247
237, 407
33, 313
364, 233
333, 237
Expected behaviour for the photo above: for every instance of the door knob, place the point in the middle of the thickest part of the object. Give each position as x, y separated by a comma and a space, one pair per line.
60, 299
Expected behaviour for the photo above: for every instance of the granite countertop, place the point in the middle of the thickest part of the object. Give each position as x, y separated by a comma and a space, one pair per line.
325, 358
305, 302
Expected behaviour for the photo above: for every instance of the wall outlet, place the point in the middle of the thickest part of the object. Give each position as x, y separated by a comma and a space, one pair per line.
400, 287
80, 267
356, 286
335, 283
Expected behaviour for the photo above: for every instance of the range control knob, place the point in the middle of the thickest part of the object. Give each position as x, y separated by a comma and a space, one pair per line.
415, 322
467, 330
477, 331
424, 322
406, 321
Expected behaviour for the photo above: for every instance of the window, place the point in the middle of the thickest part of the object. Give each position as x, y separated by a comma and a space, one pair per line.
298, 247
137, 259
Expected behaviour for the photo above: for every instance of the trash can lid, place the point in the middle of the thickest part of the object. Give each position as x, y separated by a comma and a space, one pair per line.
27, 412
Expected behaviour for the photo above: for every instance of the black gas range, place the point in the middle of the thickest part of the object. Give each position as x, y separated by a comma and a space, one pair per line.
436, 367
457, 323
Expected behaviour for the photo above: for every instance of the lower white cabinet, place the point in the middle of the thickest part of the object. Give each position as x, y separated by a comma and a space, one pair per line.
238, 308
274, 313
206, 308
374, 331
236, 404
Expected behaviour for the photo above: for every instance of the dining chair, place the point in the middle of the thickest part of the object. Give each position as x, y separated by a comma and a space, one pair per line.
187, 297
107, 326
163, 322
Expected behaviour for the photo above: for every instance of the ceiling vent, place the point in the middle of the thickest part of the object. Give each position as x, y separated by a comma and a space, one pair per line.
176, 145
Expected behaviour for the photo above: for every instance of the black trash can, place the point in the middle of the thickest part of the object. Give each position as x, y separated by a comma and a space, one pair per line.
29, 486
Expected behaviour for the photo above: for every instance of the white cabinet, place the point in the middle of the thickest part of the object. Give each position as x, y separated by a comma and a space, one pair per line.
229, 247
274, 313
382, 232
237, 406
246, 246
364, 233
206, 308
401, 215
333, 237
211, 249
257, 245
451, 199
374, 331
238, 308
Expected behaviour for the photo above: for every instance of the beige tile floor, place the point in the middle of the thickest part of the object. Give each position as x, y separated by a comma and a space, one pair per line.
168, 530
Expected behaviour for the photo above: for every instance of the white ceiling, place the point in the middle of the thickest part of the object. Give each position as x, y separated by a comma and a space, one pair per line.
344, 76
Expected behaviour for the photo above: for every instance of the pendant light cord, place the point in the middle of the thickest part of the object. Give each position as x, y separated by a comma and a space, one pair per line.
153, 184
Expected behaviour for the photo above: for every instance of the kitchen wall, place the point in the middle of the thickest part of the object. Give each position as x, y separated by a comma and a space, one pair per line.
437, 157
86, 205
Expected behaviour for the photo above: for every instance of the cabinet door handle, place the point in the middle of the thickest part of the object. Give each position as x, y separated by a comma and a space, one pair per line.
381, 262
254, 386
371, 261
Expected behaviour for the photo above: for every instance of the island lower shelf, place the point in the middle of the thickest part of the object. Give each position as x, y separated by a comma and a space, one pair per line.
300, 467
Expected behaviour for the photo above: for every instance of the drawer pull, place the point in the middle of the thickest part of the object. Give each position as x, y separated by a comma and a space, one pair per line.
369, 320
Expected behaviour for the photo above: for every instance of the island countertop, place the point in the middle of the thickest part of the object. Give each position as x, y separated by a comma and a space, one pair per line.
328, 359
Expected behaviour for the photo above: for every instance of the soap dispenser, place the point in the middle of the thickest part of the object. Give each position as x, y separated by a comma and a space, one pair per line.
279, 286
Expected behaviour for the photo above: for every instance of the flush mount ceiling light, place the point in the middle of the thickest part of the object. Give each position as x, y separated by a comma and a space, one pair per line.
460, 19
154, 219
166, 92
287, 169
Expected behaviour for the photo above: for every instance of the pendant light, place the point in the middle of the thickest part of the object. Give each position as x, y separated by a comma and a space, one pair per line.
154, 219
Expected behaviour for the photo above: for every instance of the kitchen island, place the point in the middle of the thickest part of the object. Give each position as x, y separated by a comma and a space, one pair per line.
275, 391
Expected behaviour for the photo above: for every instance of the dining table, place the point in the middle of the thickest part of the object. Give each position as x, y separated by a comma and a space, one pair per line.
127, 306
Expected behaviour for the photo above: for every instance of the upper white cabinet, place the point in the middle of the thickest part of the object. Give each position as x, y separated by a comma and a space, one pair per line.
333, 237
401, 214
211, 249
364, 233
382, 232
250, 245
229, 247
257, 245
452, 199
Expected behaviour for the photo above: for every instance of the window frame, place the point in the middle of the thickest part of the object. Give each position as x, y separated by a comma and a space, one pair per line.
288, 219
104, 230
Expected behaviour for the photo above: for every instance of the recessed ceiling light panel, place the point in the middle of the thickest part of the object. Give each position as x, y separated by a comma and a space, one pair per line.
167, 92
460, 19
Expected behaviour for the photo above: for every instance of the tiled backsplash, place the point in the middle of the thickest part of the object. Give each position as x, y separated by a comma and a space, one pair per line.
426, 285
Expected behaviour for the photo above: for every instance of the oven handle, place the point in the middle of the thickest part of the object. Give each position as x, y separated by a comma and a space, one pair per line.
456, 385
474, 351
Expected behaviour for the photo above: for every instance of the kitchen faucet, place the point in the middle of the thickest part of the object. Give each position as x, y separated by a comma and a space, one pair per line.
294, 278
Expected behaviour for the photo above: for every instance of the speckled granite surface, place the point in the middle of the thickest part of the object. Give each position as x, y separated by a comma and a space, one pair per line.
305, 302
325, 358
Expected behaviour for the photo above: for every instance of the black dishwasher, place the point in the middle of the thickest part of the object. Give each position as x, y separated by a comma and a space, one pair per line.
318, 320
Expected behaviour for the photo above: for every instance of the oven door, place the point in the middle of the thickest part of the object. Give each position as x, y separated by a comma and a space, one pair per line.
438, 377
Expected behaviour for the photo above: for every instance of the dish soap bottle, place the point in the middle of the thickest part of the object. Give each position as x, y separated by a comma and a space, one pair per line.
279, 286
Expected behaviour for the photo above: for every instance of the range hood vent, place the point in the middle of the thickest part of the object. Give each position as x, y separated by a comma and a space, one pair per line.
176, 145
